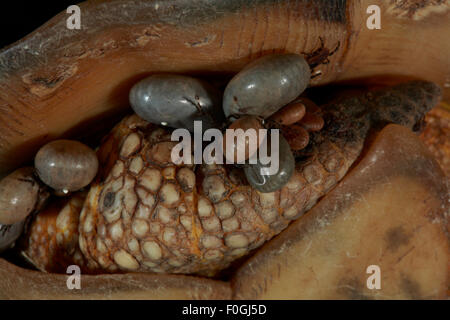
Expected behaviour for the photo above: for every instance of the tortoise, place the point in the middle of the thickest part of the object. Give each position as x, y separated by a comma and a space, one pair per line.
47, 87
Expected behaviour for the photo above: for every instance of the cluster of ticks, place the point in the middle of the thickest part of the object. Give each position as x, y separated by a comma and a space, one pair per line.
265, 94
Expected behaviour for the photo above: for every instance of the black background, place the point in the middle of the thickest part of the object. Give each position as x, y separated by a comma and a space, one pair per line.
19, 18
298, 310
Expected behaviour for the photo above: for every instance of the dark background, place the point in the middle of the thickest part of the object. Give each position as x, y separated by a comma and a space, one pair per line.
19, 17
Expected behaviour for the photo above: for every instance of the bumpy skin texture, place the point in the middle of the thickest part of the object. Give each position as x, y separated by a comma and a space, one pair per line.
52, 240
144, 214
149, 215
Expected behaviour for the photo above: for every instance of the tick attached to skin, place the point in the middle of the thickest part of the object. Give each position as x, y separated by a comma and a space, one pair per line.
19, 194
177, 101
66, 165
250, 91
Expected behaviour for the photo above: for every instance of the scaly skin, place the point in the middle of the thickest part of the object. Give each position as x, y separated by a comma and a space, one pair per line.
145, 214
51, 243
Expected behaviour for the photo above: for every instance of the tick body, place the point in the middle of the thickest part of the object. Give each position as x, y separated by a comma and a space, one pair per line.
266, 85
66, 165
19, 193
247, 141
272, 182
289, 114
177, 101
9, 234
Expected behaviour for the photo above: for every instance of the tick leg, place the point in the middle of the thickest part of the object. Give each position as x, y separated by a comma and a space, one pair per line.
335, 49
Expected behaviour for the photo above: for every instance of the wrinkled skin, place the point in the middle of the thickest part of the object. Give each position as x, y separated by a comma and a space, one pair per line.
391, 211
43, 75
145, 214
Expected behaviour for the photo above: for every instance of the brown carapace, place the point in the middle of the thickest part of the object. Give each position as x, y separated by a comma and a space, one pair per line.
145, 214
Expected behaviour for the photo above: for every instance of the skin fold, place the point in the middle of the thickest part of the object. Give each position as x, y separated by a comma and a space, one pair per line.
145, 214
389, 212
42, 76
